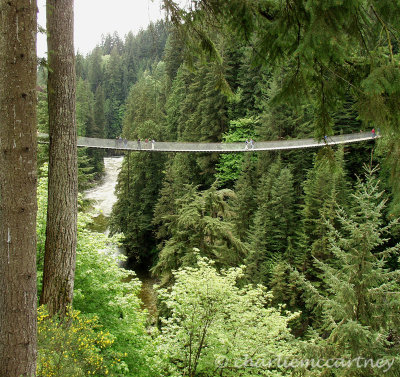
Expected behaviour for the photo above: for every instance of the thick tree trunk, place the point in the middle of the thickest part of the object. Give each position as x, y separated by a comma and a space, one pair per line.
18, 188
61, 231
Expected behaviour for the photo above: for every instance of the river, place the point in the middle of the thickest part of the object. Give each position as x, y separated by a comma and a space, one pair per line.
104, 193
103, 196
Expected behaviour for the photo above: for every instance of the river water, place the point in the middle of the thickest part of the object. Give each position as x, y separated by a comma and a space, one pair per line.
103, 196
104, 193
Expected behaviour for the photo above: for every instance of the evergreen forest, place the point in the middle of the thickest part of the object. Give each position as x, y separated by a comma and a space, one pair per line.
267, 263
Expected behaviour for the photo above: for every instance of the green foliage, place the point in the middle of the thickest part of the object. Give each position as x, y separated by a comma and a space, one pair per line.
175, 117
362, 299
213, 324
203, 220
380, 103
98, 115
325, 185
146, 48
146, 103
206, 105
76, 347
141, 174
327, 48
197, 112
137, 190
103, 290
388, 149
230, 165
95, 71
113, 67
114, 93
86, 169
321, 67
273, 225
173, 53
347, 120
245, 204
179, 173
282, 120
99, 279
84, 108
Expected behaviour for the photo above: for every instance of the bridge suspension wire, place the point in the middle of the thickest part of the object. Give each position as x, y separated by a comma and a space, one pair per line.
163, 146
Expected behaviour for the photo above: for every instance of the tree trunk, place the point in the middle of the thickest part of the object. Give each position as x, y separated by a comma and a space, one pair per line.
61, 231
18, 205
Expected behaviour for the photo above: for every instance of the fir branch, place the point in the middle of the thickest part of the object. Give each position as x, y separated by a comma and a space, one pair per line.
386, 30
341, 77
359, 29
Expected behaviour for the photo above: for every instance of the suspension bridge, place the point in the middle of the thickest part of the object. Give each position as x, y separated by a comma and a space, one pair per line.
163, 146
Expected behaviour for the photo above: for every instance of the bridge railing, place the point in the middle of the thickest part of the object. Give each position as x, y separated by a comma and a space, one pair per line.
121, 144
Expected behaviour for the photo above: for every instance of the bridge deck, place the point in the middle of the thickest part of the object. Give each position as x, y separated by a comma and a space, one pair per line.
216, 147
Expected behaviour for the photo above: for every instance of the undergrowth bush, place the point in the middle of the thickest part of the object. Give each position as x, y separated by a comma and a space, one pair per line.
107, 298
75, 347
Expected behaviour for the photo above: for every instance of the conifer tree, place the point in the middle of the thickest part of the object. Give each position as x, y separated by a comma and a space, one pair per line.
129, 63
141, 175
285, 291
98, 113
90, 121
137, 190
179, 173
111, 42
175, 115
325, 185
202, 225
146, 102
284, 120
81, 67
250, 82
114, 93
95, 68
18, 176
97, 130
208, 120
173, 53
245, 204
208, 117
326, 45
347, 120
149, 46
62, 210
362, 301
84, 108
273, 221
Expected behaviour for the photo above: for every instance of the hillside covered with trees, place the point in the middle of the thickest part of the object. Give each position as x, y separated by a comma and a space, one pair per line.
267, 263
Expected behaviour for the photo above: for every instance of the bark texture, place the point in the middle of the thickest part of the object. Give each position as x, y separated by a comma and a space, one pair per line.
61, 231
18, 188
